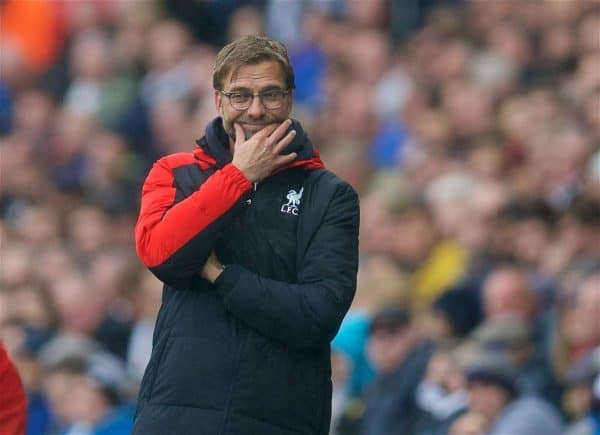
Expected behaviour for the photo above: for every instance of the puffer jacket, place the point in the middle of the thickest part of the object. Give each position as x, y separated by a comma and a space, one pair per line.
250, 354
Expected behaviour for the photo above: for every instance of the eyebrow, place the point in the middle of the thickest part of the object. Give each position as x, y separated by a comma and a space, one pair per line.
265, 89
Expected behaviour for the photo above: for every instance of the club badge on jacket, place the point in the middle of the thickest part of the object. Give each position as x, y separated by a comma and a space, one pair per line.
293, 201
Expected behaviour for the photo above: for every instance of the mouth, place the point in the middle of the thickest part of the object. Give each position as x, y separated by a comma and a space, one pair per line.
254, 127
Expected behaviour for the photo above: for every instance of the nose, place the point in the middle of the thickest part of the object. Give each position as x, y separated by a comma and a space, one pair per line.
256, 109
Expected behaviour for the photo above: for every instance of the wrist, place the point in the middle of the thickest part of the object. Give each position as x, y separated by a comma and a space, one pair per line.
246, 172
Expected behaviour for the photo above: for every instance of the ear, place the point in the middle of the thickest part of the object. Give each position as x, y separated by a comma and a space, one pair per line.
218, 102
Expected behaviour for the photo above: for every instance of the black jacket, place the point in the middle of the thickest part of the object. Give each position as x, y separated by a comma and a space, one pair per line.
249, 355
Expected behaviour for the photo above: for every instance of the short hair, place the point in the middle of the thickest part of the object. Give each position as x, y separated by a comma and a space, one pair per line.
251, 50
390, 319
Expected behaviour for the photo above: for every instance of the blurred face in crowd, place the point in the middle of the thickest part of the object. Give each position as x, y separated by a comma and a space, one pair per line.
89, 403
487, 399
532, 237
588, 32
367, 13
253, 78
352, 113
90, 58
468, 108
57, 262
39, 225
369, 55
580, 325
33, 112
557, 43
438, 326
15, 267
443, 370
590, 108
78, 304
377, 224
506, 293
380, 281
166, 44
511, 41
346, 159
387, 348
57, 386
414, 236
88, 229
31, 304
577, 400
245, 21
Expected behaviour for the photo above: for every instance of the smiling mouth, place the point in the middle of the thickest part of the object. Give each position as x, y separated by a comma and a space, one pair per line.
256, 126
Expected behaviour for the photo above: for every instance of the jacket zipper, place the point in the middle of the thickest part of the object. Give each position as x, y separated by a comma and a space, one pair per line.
249, 200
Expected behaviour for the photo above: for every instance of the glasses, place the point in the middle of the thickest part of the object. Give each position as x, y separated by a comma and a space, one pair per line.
272, 99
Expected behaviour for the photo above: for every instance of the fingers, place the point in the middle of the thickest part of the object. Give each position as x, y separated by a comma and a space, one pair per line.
280, 146
280, 131
266, 131
239, 133
285, 159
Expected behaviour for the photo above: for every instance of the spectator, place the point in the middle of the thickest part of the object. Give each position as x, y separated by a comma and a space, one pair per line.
454, 314
514, 338
582, 395
590, 424
399, 357
88, 393
441, 395
493, 393
506, 292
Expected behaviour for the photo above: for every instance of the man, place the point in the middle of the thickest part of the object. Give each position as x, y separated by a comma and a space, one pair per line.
514, 337
257, 246
493, 393
507, 292
399, 357
89, 395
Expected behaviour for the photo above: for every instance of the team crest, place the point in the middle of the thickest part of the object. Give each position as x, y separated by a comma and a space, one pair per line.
293, 201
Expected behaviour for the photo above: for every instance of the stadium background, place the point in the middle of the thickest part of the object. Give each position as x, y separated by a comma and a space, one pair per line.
470, 129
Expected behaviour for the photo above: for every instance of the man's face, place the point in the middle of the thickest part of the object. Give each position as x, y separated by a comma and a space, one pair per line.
253, 78
487, 399
506, 294
387, 350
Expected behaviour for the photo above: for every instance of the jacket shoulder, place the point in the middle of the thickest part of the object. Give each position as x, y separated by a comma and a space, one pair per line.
176, 160
324, 178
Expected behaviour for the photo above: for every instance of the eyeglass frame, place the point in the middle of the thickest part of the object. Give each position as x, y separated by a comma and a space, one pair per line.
285, 93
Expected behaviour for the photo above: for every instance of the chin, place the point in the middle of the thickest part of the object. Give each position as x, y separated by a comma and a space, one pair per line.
249, 133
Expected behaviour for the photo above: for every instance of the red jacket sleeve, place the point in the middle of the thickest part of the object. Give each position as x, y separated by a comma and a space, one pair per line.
13, 403
174, 239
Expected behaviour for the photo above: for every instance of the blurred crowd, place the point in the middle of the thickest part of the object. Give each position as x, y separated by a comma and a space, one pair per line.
471, 131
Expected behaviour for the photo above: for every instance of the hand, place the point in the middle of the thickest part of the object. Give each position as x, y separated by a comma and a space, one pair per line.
259, 156
212, 268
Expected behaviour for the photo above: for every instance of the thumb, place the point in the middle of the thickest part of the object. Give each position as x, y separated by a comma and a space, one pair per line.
239, 133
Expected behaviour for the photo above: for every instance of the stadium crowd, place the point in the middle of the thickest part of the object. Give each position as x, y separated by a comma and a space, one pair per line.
470, 129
